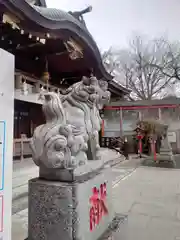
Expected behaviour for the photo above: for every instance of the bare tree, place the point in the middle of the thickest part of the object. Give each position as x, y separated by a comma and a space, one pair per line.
138, 67
111, 60
170, 61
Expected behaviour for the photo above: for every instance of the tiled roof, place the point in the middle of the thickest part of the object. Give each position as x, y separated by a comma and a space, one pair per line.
56, 15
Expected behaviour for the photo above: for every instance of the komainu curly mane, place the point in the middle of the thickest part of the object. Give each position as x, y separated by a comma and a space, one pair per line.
71, 120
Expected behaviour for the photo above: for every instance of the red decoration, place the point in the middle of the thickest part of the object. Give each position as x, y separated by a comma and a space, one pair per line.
140, 146
154, 150
140, 137
98, 208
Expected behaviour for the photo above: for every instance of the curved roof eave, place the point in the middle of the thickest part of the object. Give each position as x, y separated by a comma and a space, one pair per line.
55, 19
119, 87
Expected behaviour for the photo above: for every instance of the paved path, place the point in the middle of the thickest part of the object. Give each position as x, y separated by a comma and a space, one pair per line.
151, 198
22, 172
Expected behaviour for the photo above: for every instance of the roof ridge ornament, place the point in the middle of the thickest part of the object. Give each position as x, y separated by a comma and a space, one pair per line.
41, 3
79, 14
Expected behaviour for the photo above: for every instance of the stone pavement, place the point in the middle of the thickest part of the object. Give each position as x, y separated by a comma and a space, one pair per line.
150, 197
22, 172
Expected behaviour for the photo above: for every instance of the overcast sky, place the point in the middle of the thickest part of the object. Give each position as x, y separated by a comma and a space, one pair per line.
112, 22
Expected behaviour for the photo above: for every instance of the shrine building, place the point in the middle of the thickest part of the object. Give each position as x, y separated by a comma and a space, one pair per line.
53, 49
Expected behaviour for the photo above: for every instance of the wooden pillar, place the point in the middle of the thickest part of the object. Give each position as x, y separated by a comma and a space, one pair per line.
140, 115
22, 149
121, 122
159, 114
18, 81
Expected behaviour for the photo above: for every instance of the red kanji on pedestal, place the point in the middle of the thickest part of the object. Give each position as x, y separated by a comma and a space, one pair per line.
98, 208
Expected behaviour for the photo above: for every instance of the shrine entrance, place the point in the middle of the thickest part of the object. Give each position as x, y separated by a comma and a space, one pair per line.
120, 118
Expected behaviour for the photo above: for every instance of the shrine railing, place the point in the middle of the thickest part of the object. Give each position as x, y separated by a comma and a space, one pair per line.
27, 88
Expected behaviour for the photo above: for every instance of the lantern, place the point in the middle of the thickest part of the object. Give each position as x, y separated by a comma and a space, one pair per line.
45, 75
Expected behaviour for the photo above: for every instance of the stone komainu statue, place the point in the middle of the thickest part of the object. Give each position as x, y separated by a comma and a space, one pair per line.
72, 122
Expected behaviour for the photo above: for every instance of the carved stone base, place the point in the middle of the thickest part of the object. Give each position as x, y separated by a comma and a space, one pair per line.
166, 154
62, 210
166, 157
83, 172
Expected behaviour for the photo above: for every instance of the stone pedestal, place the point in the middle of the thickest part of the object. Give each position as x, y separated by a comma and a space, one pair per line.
166, 154
69, 200
74, 210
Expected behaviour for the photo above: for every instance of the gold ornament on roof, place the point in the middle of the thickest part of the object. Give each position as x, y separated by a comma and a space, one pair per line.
13, 21
74, 49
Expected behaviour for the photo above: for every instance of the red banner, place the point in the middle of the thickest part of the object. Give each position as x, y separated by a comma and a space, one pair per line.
102, 129
140, 146
140, 137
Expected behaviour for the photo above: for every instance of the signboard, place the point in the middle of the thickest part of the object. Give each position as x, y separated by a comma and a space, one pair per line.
1, 214
171, 137
2, 153
6, 141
